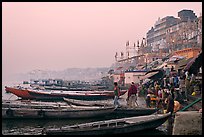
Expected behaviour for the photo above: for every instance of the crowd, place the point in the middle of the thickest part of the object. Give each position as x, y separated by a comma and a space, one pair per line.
166, 93
175, 85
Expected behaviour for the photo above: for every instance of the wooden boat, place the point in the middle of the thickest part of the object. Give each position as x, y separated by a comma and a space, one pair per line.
32, 104
19, 91
124, 110
11, 113
134, 111
29, 93
86, 103
68, 112
67, 88
81, 95
109, 127
78, 112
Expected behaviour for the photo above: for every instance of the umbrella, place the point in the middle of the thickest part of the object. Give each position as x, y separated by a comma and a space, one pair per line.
150, 74
188, 65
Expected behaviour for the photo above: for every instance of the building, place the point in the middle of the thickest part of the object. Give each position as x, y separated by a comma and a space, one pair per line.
134, 76
188, 52
156, 37
171, 34
185, 15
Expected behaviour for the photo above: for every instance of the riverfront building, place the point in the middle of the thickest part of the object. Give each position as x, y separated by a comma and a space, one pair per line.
171, 34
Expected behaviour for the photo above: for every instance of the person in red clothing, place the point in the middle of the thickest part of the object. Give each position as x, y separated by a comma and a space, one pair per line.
132, 95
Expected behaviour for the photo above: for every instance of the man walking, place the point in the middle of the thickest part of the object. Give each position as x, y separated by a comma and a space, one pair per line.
132, 95
116, 92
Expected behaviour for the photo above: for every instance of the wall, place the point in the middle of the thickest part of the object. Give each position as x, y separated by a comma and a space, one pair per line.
188, 123
133, 77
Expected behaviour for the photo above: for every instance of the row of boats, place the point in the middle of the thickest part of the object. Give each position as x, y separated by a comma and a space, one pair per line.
80, 105
67, 109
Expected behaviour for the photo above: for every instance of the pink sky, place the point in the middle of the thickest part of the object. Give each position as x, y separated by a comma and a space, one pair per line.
56, 36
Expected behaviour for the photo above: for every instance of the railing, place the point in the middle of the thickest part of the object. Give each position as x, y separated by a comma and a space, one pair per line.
191, 104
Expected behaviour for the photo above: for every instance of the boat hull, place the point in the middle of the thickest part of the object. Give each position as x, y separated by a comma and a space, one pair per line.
13, 113
23, 93
59, 113
59, 95
122, 110
134, 111
86, 113
83, 95
110, 128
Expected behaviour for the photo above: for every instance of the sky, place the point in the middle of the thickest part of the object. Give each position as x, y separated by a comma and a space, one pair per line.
57, 35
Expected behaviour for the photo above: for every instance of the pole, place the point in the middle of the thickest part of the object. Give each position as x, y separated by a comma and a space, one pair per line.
188, 106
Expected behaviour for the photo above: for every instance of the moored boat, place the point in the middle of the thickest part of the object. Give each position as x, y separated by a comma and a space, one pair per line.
19, 91
59, 113
11, 113
109, 127
78, 112
80, 95
123, 110
29, 93
32, 104
86, 102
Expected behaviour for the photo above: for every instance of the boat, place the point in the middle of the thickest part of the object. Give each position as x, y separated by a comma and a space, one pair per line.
81, 95
57, 112
19, 91
78, 112
110, 127
67, 88
123, 110
30, 93
139, 111
86, 102
32, 104
11, 113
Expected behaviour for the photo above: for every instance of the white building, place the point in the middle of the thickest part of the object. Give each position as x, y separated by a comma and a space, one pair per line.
134, 76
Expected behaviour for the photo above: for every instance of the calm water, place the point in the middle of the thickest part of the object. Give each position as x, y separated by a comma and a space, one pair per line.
34, 127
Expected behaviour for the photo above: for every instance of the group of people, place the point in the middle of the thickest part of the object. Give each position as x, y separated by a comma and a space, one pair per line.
175, 85
166, 93
131, 97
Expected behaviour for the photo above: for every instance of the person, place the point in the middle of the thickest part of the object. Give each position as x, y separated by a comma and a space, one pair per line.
177, 106
192, 80
132, 95
182, 88
187, 86
116, 93
165, 82
172, 68
171, 80
176, 81
167, 70
160, 101
170, 108
156, 87
148, 100
170, 104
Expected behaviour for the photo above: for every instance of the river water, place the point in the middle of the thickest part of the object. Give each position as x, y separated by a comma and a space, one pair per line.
34, 127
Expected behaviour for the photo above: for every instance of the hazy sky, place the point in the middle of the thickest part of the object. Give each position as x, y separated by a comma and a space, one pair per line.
56, 36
